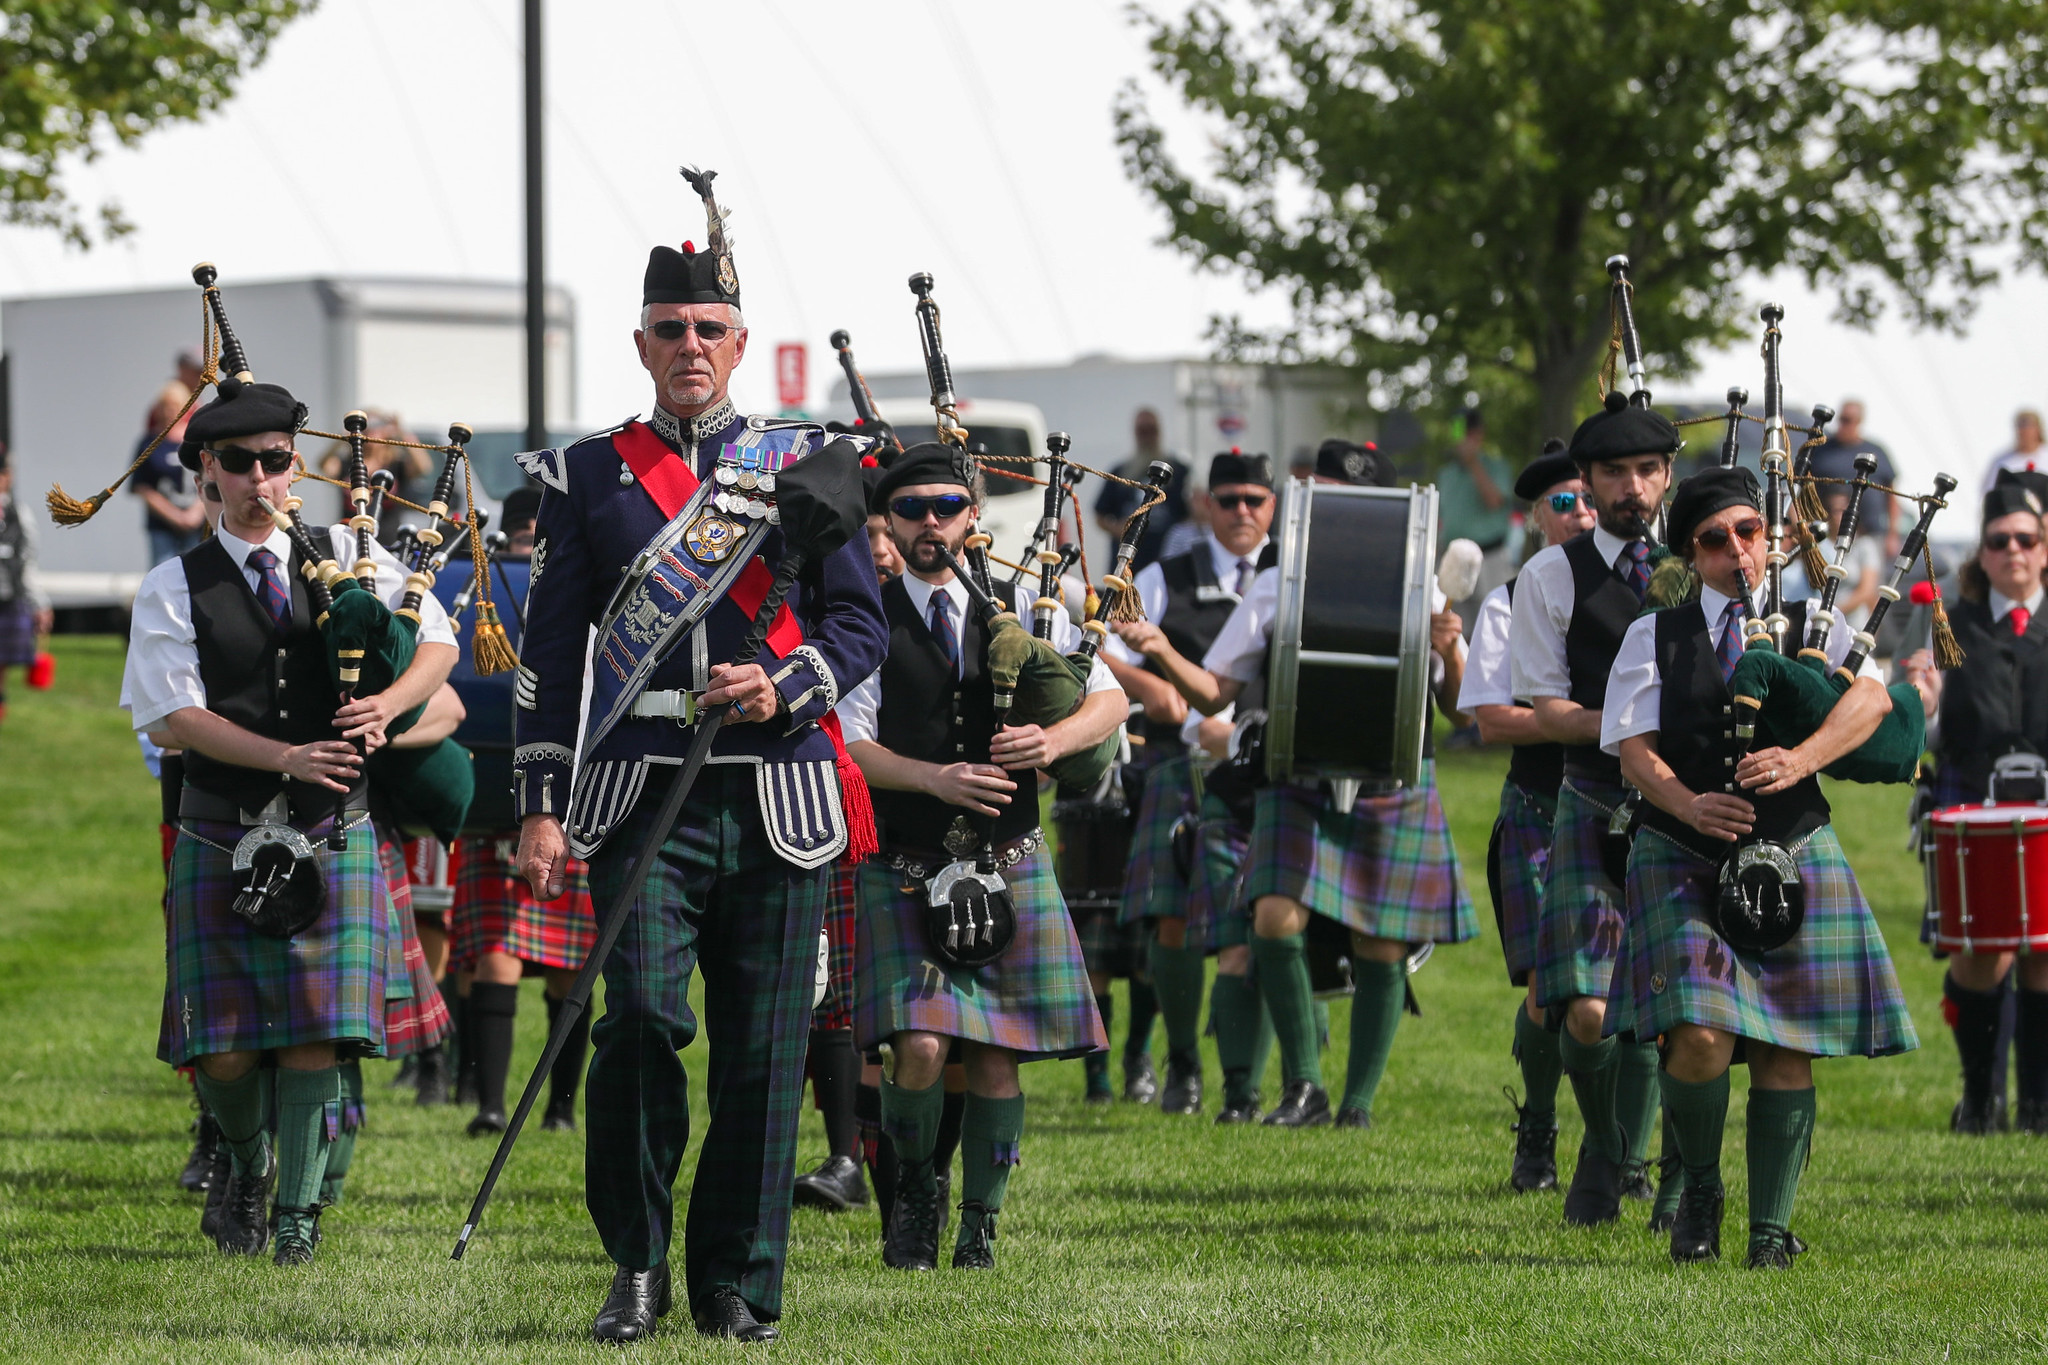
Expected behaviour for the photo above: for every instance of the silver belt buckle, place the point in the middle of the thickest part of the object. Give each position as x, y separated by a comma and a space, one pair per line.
664, 706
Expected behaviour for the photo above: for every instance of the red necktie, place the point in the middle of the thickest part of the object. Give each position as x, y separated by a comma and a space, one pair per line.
2019, 616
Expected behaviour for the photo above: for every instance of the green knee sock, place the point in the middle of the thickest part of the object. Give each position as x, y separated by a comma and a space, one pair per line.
1592, 1071
1698, 1113
911, 1119
1671, 1168
1636, 1101
239, 1107
1239, 1018
308, 1121
1144, 1008
1780, 1130
1264, 1038
1536, 1051
1321, 1009
1283, 981
990, 1132
1177, 980
1380, 988
341, 1154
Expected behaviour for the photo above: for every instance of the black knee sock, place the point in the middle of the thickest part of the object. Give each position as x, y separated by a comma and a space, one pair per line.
1144, 1009
2030, 1049
1974, 1017
835, 1077
949, 1132
876, 1150
491, 1011
465, 1036
567, 1072
1097, 1063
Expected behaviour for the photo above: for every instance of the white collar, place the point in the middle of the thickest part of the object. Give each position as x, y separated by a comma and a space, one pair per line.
1224, 563
921, 595
1713, 604
278, 543
1609, 545
2001, 605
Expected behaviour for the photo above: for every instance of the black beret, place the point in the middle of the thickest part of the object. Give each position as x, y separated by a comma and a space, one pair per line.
1704, 494
928, 462
519, 509
2016, 491
240, 409
689, 276
1547, 470
1234, 467
1620, 430
1349, 462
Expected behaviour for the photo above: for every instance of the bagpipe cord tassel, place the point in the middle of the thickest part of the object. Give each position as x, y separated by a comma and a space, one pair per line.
1947, 653
490, 649
862, 840
1809, 549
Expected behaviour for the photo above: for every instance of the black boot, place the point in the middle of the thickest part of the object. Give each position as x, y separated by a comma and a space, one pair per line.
297, 1235
1595, 1193
199, 1166
837, 1185
1696, 1234
433, 1081
216, 1191
637, 1298
1183, 1092
408, 1073
1303, 1104
912, 1242
1240, 1098
1635, 1182
1141, 1082
242, 1223
1975, 1016
1535, 1164
1770, 1249
1670, 1186
978, 1225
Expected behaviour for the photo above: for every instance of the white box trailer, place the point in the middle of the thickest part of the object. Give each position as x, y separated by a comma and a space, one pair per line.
81, 371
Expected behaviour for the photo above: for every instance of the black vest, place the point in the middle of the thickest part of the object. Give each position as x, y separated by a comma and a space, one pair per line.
1696, 732
927, 714
1196, 608
1998, 700
1536, 768
270, 681
1603, 608
13, 551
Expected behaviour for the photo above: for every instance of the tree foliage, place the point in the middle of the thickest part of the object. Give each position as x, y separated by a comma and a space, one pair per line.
78, 76
1436, 183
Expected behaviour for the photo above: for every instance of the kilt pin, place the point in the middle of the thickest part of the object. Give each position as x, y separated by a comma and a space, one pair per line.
1579, 932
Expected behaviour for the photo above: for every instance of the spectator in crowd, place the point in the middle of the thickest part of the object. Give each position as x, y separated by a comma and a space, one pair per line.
1475, 502
2026, 450
173, 514
416, 469
1836, 459
25, 614
1115, 503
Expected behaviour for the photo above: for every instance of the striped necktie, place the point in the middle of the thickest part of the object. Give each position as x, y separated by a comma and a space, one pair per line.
1730, 647
942, 629
1637, 570
270, 587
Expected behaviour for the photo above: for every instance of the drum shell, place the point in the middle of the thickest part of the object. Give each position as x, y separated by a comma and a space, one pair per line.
1989, 875
1348, 684
1094, 852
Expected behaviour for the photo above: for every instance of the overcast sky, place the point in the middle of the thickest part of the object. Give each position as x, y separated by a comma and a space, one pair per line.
856, 144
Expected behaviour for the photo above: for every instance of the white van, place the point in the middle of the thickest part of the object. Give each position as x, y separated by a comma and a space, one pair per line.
1014, 507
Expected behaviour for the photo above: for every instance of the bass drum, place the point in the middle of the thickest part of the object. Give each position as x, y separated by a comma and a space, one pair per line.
1094, 851
1347, 692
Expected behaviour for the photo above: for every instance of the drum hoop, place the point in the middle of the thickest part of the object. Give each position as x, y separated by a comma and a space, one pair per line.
1411, 715
1281, 690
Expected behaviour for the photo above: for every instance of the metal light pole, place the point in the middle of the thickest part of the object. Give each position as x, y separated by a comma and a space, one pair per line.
536, 256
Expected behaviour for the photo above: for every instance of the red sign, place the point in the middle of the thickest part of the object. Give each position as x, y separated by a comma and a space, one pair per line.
792, 380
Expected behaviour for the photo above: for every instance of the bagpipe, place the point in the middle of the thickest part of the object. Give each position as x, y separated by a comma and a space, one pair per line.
867, 421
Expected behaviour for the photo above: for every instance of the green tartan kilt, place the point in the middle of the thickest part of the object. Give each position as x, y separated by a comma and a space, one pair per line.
1386, 870
1218, 914
1154, 888
228, 988
1033, 1000
1579, 931
1517, 857
1830, 991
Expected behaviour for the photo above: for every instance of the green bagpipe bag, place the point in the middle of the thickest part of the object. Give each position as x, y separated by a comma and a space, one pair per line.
361, 627
1794, 697
1045, 687
428, 788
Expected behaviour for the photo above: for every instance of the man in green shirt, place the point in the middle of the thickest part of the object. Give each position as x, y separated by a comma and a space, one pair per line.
1475, 502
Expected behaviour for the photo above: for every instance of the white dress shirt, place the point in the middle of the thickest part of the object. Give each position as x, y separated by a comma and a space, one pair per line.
1635, 690
1488, 680
1151, 586
1240, 648
858, 710
162, 675
1544, 598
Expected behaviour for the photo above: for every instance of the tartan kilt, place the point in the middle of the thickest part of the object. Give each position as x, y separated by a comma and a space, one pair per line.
841, 893
1153, 886
1516, 859
1218, 915
1580, 929
494, 910
1033, 1000
1387, 870
228, 988
1830, 991
17, 633
1111, 946
418, 1019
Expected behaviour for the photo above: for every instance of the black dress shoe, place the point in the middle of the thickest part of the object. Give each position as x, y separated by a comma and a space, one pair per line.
1245, 1112
1696, 1235
912, 1241
2031, 1118
1535, 1164
1183, 1092
1595, 1194
199, 1166
1635, 1182
1975, 1117
432, 1077
636, 1299
242, 1224
1351, 1116
1303, 1104
487, 1121
561, 1115
837, 1184
297, 1235
1770, 1249
1141, 1082
726, 1314
978, 1227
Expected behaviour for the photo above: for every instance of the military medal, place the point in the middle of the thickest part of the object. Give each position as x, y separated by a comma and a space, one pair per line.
711, 538
726, 474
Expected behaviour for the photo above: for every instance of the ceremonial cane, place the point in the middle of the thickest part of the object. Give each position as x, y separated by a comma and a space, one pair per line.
614, 921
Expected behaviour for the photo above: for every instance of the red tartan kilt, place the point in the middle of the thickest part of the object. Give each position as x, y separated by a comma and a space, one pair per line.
420, 1021
836, 1010
494, 910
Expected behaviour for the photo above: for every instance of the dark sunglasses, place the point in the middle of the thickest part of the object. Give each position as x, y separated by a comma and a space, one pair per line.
1716, 537
672, 329
2024, 540
946, 505
1230, 502
1564, 502
240, 459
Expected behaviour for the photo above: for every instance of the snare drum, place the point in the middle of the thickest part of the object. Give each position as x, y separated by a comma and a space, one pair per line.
431, 871
1348, 691
1094, 852
1989, 875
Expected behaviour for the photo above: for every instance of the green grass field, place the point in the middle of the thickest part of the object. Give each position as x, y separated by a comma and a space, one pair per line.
1128, 1236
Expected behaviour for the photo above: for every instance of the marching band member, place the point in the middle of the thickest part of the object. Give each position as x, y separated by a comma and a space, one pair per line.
1520, 847
1983, 710
1187, 598
1829, 991
946, 781
738, 887
1573, 605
